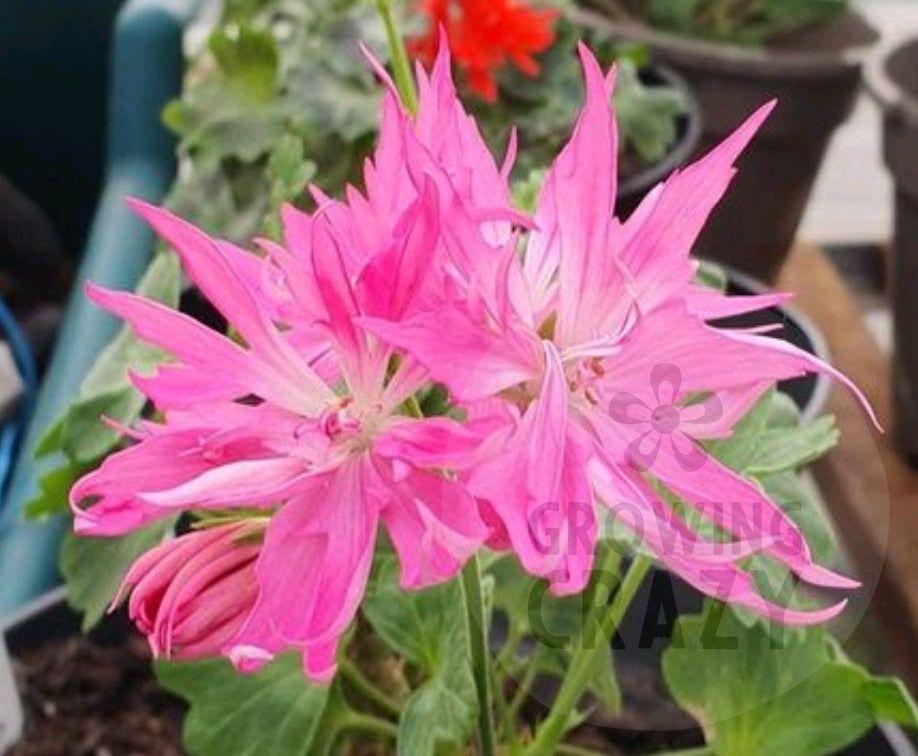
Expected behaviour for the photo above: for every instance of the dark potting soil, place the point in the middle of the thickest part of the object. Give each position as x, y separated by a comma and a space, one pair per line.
89, 697
86, 698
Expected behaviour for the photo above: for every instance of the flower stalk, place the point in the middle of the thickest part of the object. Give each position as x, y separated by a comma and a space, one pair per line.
478, 646
401, 68
367, 689
602, 621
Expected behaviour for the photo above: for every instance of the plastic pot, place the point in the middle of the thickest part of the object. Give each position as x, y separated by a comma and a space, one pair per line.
48, 619
811, 392
814, 74
12, 427
632, 190
893, 80
147, 67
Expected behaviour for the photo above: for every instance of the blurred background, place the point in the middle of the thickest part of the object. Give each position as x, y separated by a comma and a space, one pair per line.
225, 110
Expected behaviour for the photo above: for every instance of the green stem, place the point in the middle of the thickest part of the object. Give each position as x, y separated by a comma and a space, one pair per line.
401, 68
522, 691
367, 723
604, 617
705, 750
367, 689
411, 407
507, 724
478, 646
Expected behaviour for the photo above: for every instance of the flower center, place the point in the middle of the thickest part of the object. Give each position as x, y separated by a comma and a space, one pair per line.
349, 425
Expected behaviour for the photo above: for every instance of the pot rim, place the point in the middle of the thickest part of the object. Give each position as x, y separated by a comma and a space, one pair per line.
32, 609
823, 384
684, 147
756, 62
896, 102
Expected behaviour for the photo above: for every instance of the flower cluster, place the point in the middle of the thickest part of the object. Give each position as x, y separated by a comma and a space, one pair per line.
485, 35
297, 439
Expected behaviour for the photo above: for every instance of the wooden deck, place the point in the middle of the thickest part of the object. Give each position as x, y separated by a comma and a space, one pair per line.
864, 475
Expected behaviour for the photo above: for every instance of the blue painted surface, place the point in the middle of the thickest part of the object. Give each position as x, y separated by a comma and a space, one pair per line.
147, 65
11, 431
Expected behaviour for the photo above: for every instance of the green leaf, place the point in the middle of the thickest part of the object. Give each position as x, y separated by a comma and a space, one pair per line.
106, 390
248, 61
275, 711
748, 22
712, 275
891, 701
287, 172
93, 568
85, 437
555, 625
754, 695
788, 490
737, 451
51, 439
53, 489
647, 115
526, 191
429, 629
782, 449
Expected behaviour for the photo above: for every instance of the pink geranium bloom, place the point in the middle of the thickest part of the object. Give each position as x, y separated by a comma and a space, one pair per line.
326, 453
304, 421
565, 340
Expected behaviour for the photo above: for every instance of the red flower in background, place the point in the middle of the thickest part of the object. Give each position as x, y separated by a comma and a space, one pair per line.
485, 35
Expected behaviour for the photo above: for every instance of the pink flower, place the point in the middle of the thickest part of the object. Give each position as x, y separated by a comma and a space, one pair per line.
593, 309
258, 426
301, 415
191, 594
664, 421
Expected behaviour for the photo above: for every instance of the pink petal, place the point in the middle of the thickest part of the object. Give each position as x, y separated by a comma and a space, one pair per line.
363, 366
217, 279
710, 304
311, 573
656, 241
390, 280
434, 526
251, 482
574, 217
474, 360
199, 346
429, 442
166, 459
537, 487
709, 567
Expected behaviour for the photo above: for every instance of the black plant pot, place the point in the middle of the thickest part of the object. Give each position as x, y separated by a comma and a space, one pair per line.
689, 131
814, 73
810, 392
647, 627
49, 619
893, 80
95, 695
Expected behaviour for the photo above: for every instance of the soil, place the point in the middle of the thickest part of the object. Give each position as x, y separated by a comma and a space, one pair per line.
83, 697
96, 696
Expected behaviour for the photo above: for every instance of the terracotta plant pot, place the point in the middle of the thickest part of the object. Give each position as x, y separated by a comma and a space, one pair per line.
814, 75
893, 79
